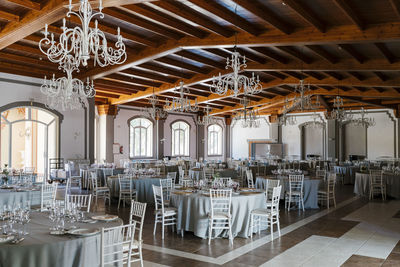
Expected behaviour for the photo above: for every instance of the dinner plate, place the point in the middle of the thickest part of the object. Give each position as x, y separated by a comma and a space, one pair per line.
57, 232
83, 232
6, 238
106, 217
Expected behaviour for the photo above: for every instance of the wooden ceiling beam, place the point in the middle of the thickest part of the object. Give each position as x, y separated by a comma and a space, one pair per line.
369, 102
323, 102
270, 54
319, 51
316, 75
385, 52
276, 74
350, 13
8, 16
165, 19
142, 23
165, 70
119, 85
249, 55
108, 95
219, 52
110, 89
185, 12
228, 16
149, 75
265, 14
357, 75
306, 36
381, 75
175, 62
353, 52
131, 80
201, 59
305, 13
396, 7
28, 60
296, 54
27, 4
335, 75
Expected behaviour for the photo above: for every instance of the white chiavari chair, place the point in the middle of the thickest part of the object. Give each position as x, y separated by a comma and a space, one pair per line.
271, 214
83, 201
270, 184
136, 215
377, 184
116, 245
98, 190
320, 174
47, 195
250, 180
208, 173
167, 187
164, 215
126, 189
328, 193
220, 217
295, 193
172, 175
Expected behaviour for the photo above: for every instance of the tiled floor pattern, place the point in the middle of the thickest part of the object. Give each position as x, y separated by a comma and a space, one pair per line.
349, 235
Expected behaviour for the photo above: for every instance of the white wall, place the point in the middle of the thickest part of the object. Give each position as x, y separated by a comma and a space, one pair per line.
72, 127
381, 139
239, 144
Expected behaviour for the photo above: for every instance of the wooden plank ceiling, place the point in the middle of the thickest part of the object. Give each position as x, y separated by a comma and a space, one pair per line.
346, 47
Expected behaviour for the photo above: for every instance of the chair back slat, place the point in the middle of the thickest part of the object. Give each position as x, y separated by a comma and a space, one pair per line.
296, 182
250, 180
276, 195
158, 198
48, 195
83, 201
221, 200
269, 186
137, 214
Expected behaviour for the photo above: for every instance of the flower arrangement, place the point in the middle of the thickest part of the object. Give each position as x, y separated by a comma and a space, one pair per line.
5, 173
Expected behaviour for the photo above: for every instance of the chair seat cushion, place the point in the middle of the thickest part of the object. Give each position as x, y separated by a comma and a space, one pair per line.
135, 245
167, 211
220, 215
263, 212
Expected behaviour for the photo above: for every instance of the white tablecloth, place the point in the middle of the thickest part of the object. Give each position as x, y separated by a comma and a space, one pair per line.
362, 182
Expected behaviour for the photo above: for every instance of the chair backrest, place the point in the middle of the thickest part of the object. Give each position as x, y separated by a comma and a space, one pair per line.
83, 201
167, 186
29, 170
187, 183
296, 182
250, 181
376, 178
125, 184
48, 195
330, 183
158, 198
276, 195
320, 173
375, 172
221, 200
94, 180
117, 245
137, 213
172, 175
269, 186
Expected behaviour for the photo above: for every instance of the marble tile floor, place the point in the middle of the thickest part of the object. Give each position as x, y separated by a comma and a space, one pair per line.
356, 233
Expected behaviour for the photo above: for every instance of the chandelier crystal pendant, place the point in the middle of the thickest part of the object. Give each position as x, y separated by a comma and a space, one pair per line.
339, 113
206, 119
83, 42
248, 118
181, 103
302, 99
315, 123
286, 120
67, 92
155, 112
363, 121
236, 82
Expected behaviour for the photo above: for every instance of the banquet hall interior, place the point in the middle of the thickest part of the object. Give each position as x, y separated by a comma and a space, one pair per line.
199, 133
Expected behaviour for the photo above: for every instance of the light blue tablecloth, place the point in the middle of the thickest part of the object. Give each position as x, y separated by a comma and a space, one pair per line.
362, 183
193, 212
11, 197
310, 190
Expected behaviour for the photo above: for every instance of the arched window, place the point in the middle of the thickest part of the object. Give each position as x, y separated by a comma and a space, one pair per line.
29, 136
214, 140
141, 138
180, 138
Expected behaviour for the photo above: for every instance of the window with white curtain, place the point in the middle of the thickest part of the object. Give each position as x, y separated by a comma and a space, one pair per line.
141, 138
214, 140
180, 139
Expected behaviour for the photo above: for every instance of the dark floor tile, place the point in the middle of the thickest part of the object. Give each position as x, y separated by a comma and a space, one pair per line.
362, 261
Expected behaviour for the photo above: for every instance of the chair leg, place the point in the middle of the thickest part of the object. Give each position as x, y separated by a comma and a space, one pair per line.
272, 228
209, 231
302, 203
230, 232
119, 200
140, 255
251, 226
162, 226
278, 225
155, 225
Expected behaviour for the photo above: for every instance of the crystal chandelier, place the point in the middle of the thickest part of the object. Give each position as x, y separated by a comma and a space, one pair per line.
207, 119
67, 92
85, 42
302, 99
181, 103
338, 113
286, 120
236, 82
363, 121
315, 123
249, 118
155, 112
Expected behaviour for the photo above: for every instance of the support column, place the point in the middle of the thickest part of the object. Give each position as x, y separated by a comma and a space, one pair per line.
228, 123
200, 142
90, 136
160, 136
107, 114
332, 140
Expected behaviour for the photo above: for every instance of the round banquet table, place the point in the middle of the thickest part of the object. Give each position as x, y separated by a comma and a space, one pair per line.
143, 186
361, 185
11, 197
40, 249
310, 189
193, 209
